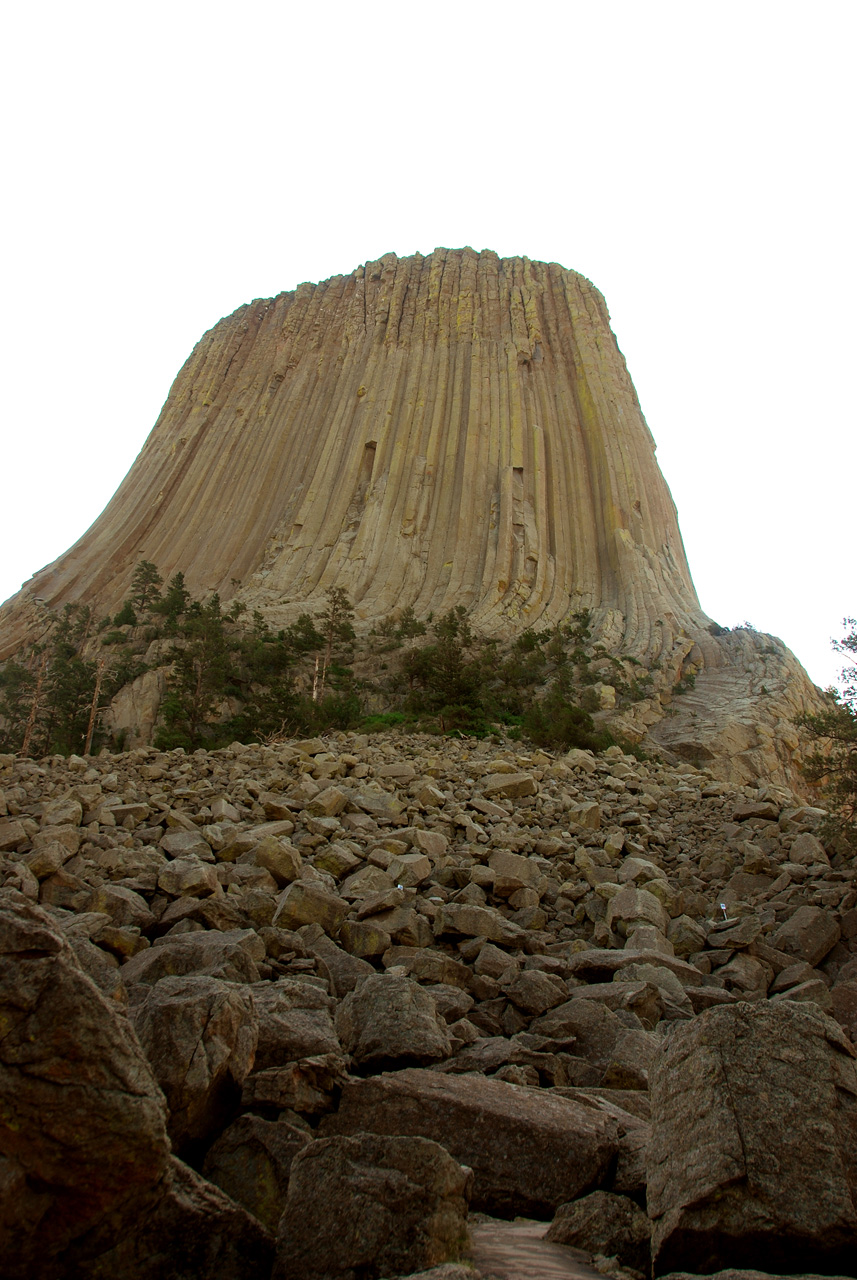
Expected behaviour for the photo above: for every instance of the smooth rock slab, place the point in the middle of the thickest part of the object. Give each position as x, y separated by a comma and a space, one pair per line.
753, 1156
529, 1151
371, 1206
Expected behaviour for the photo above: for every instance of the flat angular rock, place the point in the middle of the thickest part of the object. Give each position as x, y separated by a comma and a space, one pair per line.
511, 785
343, 971
328, 803
294, 1022
410, 869
809, 934
389, 1021
306, 903
753, 1157
12, 833
529, 1151
363, 938
477, 922
66, 811
534, 992
183, 844
371, 1206
306, 1086
630, 905
188, 877
280, 858
231, 955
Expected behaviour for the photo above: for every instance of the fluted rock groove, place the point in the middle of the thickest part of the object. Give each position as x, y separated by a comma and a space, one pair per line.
427, 431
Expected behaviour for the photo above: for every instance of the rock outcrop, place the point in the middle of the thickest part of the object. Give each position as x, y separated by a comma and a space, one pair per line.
427, 431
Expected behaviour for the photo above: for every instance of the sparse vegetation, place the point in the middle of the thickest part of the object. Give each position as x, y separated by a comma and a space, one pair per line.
230, 676
833, 764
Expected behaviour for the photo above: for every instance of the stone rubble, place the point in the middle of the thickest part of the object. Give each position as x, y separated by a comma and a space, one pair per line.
465, 944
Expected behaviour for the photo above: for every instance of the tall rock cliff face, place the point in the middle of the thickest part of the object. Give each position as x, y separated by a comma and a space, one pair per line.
457, 429
427, 431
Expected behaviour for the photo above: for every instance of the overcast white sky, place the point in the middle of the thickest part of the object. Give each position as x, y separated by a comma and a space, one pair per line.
167, 162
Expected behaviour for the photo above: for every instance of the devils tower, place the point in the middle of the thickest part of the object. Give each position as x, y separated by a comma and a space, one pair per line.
426, 431
451, 430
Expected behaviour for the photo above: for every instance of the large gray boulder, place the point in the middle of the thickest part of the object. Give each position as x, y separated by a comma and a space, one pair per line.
294, 1022
371, 1206
529, 1151
88, 1188
753, 1155
199, 1035
388, 1021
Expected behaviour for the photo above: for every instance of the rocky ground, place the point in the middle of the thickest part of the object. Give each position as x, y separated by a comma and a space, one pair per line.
296, 1010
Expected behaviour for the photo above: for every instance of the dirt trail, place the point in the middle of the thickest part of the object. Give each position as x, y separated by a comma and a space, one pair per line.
517, 1251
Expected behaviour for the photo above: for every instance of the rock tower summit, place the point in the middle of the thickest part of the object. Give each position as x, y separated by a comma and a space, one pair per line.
456, 429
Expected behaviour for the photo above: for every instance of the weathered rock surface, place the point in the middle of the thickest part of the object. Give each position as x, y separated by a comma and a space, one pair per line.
88, 1187
387, 1021
199, 1035
753, 1159
607, 1224
371, 1206
251, 1162
529, 1153
83, 1131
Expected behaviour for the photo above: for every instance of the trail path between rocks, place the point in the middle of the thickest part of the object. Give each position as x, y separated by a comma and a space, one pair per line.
517, 1251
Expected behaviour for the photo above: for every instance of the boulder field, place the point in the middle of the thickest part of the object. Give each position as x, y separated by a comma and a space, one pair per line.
310, 1010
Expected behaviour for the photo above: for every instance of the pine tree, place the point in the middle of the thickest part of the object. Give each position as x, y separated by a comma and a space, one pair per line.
200, 677
145, 586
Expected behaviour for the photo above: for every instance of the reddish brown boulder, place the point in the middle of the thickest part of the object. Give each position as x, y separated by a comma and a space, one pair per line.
199, 1035
371, 1206
753, 1155
529, 1151
83, 1139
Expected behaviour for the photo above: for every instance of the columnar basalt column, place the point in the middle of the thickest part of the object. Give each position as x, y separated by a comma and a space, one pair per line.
457, 429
